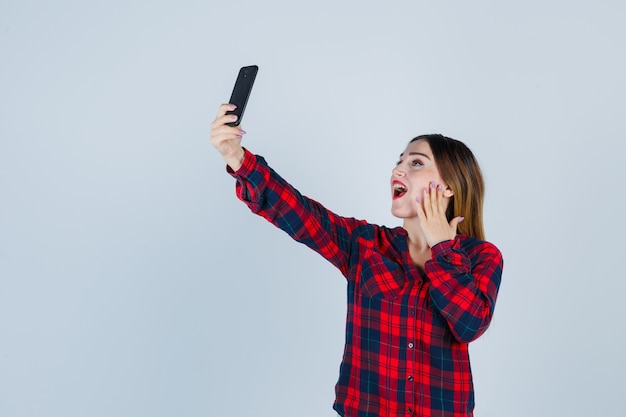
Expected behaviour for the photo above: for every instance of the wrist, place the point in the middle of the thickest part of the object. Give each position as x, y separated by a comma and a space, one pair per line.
235, 160
436, 242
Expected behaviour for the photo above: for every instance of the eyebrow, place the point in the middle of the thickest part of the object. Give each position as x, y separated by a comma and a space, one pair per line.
416, 153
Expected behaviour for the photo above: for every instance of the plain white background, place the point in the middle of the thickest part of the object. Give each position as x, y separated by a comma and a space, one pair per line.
133, 283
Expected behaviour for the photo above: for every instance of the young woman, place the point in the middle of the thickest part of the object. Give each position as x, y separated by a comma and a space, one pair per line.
417, 294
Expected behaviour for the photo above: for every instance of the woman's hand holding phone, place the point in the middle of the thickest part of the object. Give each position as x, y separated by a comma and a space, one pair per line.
225, 131
227, 138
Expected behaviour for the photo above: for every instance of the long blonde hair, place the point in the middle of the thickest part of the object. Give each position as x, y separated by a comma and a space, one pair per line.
460, 171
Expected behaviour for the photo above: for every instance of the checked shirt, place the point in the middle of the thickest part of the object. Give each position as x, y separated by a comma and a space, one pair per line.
407, 331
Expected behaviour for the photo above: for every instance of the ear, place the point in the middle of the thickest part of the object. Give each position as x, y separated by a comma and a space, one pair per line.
447, 192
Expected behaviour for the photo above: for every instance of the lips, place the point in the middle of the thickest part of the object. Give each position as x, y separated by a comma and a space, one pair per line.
398, 188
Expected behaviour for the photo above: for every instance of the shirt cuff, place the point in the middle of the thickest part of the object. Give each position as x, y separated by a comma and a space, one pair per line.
446, 247
247, 165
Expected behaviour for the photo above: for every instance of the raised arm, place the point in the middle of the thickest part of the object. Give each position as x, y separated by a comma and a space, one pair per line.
267, 194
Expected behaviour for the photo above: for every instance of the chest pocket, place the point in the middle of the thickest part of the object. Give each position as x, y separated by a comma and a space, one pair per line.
380, 277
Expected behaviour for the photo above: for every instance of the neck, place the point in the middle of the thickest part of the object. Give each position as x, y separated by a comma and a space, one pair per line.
415, 234
418, 247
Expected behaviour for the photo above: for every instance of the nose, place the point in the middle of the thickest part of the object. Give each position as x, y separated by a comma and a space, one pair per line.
397, 171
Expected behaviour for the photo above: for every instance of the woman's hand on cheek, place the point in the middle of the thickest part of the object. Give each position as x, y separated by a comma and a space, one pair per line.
431, 211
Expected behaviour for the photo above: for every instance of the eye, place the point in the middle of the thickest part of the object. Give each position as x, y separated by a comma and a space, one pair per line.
416, 163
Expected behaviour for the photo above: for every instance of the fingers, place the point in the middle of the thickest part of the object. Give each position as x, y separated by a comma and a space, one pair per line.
432, 197
455, 222
226, 139
420, 210
433, 200
220, 130
225, 133
441, 206
424, 204
226, 107
222, 118
431, 211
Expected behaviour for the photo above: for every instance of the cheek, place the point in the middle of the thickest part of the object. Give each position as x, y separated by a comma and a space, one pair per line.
420, 187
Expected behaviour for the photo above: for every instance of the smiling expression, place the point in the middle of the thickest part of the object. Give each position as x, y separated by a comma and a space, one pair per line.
413, 173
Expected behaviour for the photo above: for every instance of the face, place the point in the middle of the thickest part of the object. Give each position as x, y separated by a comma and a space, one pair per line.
414, 172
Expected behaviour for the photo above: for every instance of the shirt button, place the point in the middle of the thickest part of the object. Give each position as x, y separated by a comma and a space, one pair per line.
410, 410
411, 345
410, 378
412, 312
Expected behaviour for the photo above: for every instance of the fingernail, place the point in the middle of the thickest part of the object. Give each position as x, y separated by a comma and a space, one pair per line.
233, 107
439, 187
432, 184
243, 132
417, 199
461, 219
233, 117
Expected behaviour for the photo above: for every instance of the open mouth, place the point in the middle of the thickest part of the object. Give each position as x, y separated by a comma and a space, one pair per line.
398, 190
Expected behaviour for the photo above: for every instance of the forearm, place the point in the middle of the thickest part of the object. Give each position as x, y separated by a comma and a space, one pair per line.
305, 220
464, 290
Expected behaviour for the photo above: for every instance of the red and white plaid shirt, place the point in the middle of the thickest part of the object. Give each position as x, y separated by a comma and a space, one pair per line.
407, 331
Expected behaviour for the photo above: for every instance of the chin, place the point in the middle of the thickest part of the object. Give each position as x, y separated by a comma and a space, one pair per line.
399, 213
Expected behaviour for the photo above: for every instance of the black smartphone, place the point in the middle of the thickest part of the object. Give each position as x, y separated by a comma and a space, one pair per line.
241, 92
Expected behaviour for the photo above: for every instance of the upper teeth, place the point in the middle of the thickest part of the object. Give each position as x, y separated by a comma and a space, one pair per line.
399, 187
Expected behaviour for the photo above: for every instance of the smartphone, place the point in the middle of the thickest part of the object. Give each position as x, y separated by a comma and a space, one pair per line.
241, 92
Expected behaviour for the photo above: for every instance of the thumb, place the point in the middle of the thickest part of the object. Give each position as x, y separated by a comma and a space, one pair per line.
455, 222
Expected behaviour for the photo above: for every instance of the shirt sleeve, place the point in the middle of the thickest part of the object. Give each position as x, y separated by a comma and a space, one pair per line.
267, 194
464, 287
